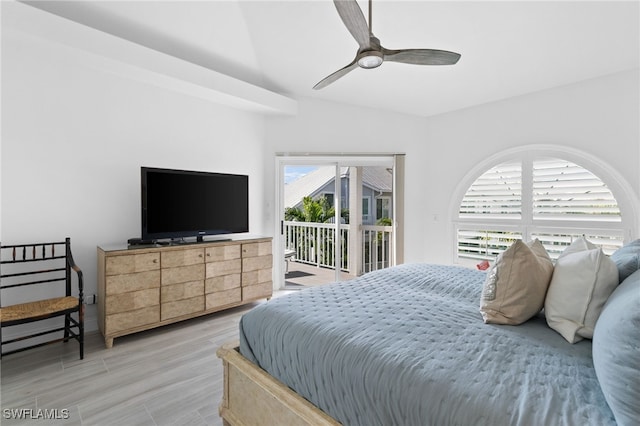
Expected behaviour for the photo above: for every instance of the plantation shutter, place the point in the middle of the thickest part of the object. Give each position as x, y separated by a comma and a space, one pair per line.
484, 244
562, 201
565, 191
497, 194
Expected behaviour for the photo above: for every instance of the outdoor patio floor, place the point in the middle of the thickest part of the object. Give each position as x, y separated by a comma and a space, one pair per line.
304, 275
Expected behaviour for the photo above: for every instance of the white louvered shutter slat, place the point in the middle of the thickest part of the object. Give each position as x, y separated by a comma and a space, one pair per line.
498, 193
564, 201
565, 191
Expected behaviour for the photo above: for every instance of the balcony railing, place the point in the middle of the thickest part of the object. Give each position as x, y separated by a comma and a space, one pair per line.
313, 244
377, 247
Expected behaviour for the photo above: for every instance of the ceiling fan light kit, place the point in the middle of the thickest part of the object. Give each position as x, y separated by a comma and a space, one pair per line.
370, 59
371, 54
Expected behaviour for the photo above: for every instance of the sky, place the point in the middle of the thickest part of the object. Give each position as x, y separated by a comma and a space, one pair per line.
292, 173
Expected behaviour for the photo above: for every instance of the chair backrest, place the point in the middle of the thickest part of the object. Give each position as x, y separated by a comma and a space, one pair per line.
33, 264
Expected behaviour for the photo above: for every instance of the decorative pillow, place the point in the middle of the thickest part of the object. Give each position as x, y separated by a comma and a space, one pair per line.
627, 259
516, 284
579, 244
616, 351
583, 279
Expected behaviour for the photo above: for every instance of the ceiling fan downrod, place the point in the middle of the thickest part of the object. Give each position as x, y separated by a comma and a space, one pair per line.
370, 18
373, 57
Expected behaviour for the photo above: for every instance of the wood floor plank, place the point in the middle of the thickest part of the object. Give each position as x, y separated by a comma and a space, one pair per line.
165, 376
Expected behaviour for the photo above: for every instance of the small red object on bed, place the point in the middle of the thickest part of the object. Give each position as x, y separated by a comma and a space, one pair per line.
483, 266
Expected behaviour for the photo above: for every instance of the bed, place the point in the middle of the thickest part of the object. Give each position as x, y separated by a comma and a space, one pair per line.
406, 346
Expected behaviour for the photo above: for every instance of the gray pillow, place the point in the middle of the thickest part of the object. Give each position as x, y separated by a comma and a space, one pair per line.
627, 259
616, 351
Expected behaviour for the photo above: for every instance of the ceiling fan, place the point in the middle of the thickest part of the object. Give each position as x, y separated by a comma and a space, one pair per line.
371, 54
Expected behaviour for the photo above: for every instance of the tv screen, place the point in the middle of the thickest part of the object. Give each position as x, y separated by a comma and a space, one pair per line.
180, 203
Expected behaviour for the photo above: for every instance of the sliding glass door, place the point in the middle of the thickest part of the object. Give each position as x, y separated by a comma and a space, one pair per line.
335, 218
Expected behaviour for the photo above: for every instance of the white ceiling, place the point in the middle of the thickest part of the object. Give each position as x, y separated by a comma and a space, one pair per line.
508, 48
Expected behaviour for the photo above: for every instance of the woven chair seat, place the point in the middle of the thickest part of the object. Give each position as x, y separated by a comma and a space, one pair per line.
40, 308
40, 265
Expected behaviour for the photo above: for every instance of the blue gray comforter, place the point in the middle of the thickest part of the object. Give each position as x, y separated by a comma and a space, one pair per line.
407, 346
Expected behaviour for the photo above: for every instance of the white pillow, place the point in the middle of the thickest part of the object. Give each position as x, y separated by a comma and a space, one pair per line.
583, 279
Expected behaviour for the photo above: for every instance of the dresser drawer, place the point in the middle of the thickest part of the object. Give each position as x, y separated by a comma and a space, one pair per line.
182, 274
225, 267
132, 319
170, 293
257, 291
117, 284
256, 263
228, 252
130, 263
224, 282
181, 307
173, 258
256, 277
222, 298
256, 249
132, 300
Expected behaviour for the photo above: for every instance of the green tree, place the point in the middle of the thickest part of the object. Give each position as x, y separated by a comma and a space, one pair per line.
384, 221
318, 211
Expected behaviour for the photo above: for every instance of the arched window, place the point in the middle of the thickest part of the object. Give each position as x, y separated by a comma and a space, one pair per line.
536, 196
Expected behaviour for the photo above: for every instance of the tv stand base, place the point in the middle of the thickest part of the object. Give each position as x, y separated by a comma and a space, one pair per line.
140, 287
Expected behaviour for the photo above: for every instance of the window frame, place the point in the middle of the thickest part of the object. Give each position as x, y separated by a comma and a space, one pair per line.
627, 200
366, 201
382, 199
329, 196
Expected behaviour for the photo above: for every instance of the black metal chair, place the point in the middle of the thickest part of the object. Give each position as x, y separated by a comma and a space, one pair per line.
40, 266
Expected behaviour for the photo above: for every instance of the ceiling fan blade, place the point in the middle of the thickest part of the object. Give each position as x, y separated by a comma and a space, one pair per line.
421, 56
336, 75
353, 19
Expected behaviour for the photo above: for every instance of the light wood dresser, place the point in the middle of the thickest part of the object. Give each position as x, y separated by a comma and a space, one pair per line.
150, 286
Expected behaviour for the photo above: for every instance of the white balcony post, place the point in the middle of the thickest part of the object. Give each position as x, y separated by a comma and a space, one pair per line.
355, 220
318, 239
397, 241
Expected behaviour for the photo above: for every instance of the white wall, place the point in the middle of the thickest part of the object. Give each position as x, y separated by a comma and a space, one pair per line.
599, 117
74, 139
325, 127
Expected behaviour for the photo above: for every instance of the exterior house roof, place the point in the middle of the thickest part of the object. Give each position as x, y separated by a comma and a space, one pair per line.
376, 178
308, 184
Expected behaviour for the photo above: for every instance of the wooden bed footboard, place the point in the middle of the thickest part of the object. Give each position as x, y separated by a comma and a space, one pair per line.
252, 397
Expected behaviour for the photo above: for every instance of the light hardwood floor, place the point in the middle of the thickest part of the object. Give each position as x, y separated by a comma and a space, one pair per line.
165, 376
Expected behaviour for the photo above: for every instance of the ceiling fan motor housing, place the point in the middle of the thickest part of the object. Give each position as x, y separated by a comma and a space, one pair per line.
370, 59
371, 56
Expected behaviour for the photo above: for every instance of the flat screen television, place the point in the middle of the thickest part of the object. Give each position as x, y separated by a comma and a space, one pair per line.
180, 203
